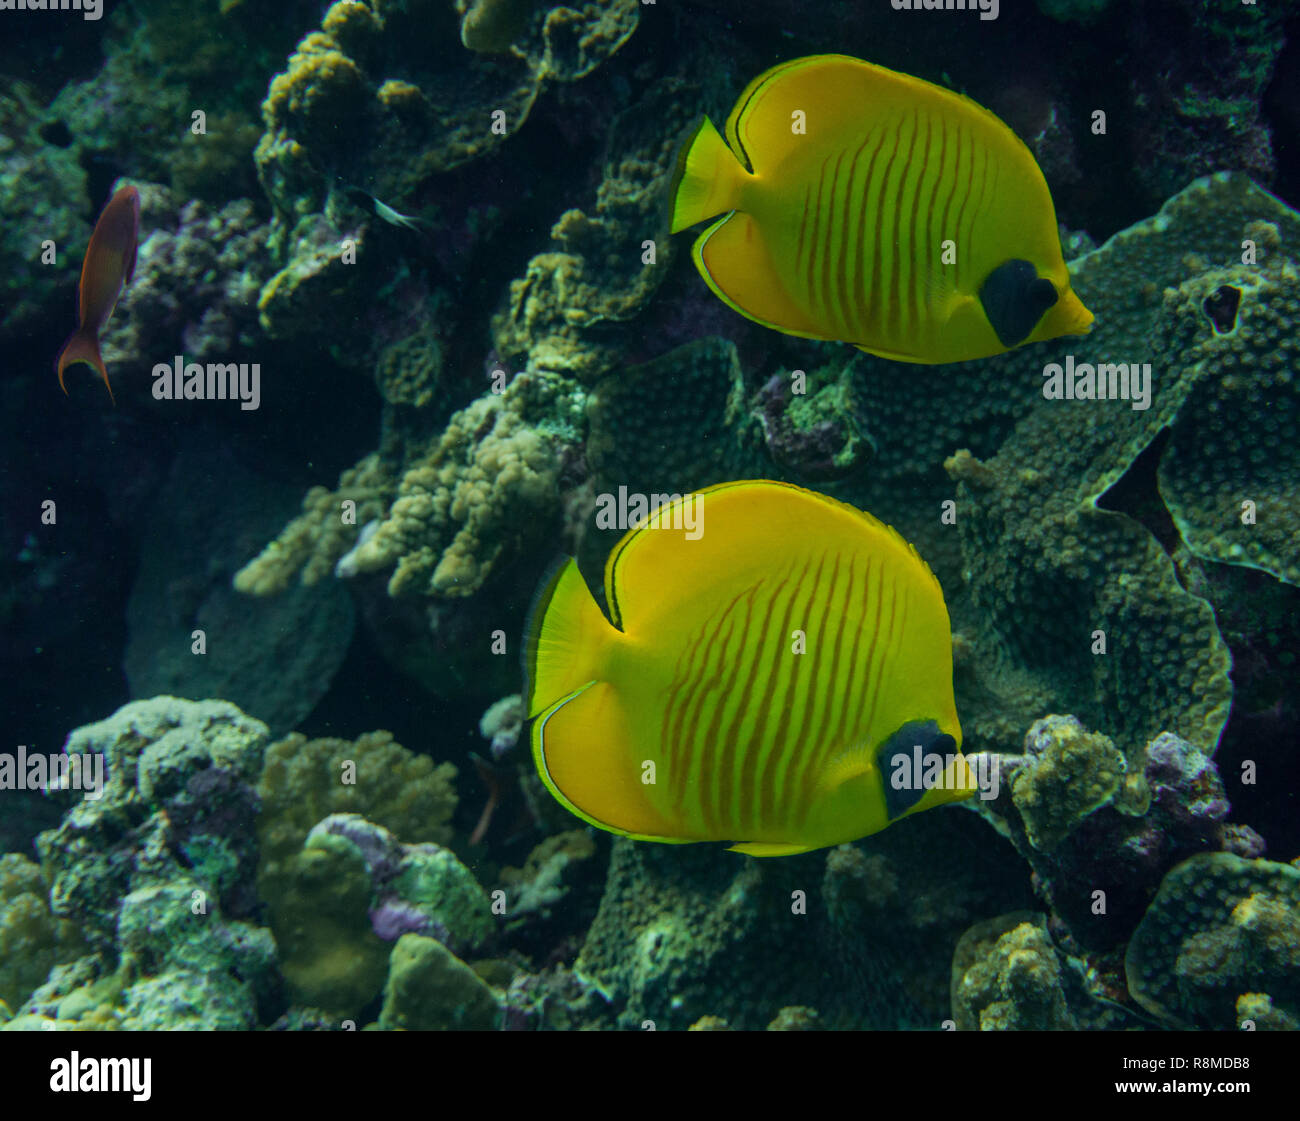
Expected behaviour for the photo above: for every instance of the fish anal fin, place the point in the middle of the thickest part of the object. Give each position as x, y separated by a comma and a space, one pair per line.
733, 257
769, 848
585, 754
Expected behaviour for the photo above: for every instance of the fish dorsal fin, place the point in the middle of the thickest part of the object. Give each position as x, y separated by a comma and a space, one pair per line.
830, 91
837, 95
749, 523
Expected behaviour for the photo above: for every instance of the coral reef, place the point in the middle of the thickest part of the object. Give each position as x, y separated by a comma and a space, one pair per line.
153, 872
1199, 115
1087, 820
485, 488
1221, 942
673, 425
1093, 594
550, 902
32, 941
384, 93
183, 589
163, 60
1007, 976
865, 932
502, 724
304, 781
42, 196
198, 271
310, 546
564, 312
317, 883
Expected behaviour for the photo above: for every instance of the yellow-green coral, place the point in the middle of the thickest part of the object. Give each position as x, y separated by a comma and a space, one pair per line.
317, 894
487, 485
601, 272
32, 940
1006, 976
385, 88
318, 902
1070, 773
306, 780
407, 371
1221, 930
309, 546
430, 989
492, 25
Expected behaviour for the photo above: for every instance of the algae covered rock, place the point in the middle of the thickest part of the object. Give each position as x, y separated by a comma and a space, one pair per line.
41, 191
306, 780
430, 989
156, 872
156, 752
385, 92
318, 903
1100, 831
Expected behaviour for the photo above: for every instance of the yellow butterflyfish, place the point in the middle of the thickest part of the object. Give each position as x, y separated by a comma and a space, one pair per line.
870, 207
773, 661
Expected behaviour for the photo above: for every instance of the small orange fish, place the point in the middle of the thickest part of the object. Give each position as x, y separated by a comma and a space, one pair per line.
107, 269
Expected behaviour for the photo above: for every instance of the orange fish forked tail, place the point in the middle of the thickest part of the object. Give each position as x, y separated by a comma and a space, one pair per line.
82, 346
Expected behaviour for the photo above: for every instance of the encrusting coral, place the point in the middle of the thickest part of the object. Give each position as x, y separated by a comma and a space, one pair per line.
1221, 938
1007, 976
1090, 820
1093, 607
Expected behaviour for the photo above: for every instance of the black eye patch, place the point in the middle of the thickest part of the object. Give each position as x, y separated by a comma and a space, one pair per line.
906, 754
1014, 298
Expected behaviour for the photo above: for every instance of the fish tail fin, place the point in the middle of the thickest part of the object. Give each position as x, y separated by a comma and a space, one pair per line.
565, 641
82, 347
708, 180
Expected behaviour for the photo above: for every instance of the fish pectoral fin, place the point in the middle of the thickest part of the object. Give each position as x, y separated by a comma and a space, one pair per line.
846, 766
768, 848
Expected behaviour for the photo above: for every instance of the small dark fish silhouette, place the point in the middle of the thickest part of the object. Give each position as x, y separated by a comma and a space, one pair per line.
107, 269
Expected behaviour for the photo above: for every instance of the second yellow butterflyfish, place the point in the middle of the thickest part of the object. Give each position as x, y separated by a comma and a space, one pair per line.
866, 206
775, 673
